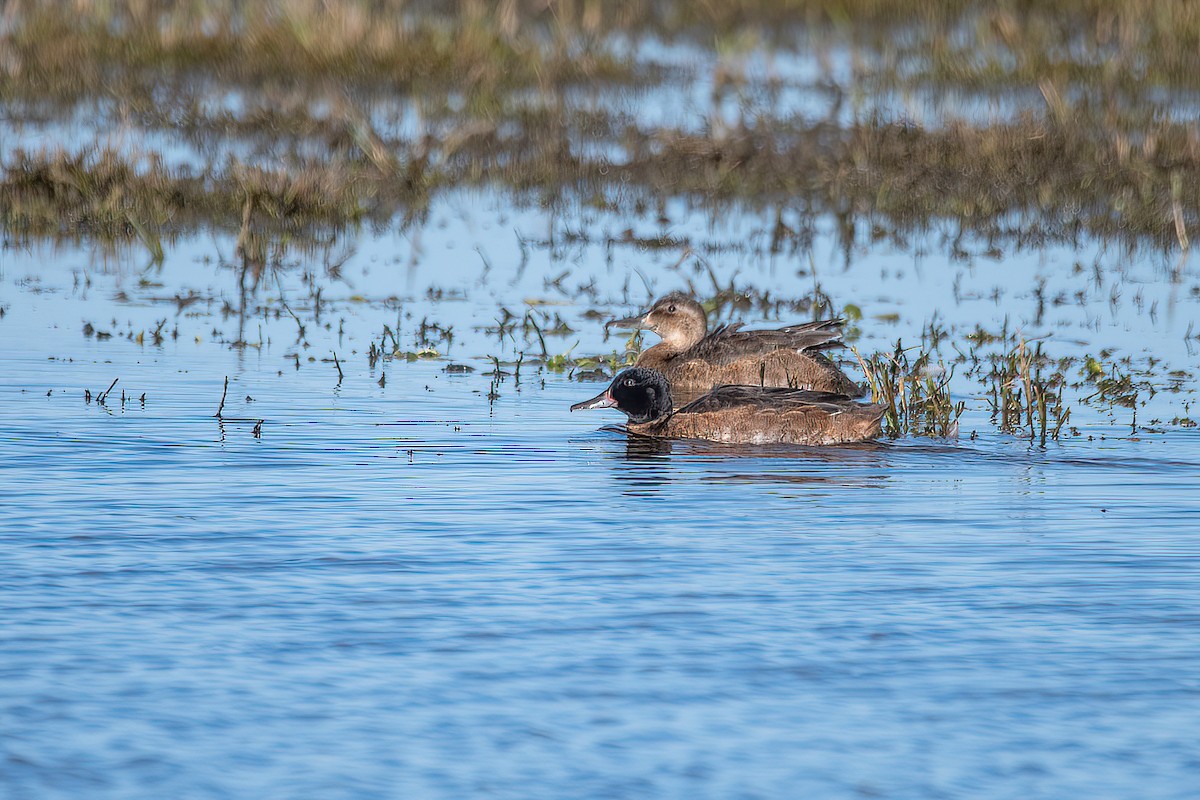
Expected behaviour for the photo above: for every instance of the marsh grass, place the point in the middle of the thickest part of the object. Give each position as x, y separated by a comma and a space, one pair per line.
315, 142
400, 44
1026, 393
107, 195
1113, 386
914, 392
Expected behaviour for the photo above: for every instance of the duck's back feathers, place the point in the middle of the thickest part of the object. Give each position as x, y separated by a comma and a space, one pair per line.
723, 398
729, 343
757, 415
690, 377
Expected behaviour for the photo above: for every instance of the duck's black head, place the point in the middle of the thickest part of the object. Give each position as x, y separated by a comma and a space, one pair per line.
643, 394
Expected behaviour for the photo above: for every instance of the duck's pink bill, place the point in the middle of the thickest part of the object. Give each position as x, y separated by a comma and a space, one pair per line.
602, 400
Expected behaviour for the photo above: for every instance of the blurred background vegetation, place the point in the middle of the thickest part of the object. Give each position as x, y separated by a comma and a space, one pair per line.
1015, 120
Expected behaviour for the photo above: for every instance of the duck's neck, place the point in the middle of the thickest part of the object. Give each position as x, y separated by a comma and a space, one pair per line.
680, 339
657, 356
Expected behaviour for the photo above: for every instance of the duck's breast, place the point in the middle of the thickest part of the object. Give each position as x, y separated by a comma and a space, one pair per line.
659, 357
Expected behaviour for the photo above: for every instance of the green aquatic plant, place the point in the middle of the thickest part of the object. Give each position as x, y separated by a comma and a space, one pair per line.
1114, 387
914, 392
604, 365
1026, 393
559, 362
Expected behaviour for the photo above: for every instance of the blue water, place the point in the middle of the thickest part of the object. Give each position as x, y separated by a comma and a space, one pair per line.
412, 591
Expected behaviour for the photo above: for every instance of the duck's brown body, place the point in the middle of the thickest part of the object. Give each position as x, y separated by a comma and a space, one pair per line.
757, 415
692, 373
738, 414
695, 360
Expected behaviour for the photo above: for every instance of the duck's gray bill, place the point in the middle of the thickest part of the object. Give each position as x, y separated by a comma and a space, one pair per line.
629, 323
602, 400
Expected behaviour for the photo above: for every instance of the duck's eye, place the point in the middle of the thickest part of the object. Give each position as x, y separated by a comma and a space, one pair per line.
630, 382
670, 309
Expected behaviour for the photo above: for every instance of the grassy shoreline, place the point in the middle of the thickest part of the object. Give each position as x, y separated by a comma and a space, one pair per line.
1052, 182
318, 116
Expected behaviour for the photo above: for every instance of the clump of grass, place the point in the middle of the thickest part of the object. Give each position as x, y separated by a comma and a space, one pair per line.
1025, 401
402, 43
600, 365
1114, 387
915, 393
115, 196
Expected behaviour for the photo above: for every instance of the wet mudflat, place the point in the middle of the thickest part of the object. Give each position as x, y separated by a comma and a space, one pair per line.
397, 566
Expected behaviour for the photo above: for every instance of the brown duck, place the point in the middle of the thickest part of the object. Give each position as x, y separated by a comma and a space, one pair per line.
738, 414
695, 360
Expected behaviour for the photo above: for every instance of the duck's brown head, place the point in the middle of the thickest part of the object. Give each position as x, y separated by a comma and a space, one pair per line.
642, 394
677, 318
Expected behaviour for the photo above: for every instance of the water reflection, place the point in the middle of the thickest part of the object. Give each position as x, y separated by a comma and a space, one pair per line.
643, 448
646, 465
642, 463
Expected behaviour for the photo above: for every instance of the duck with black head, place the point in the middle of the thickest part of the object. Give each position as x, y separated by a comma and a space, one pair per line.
695, 360
738, 414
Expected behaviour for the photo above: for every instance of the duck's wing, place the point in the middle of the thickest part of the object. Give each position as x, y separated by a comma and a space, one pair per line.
724, 398
819, 332
729, 343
